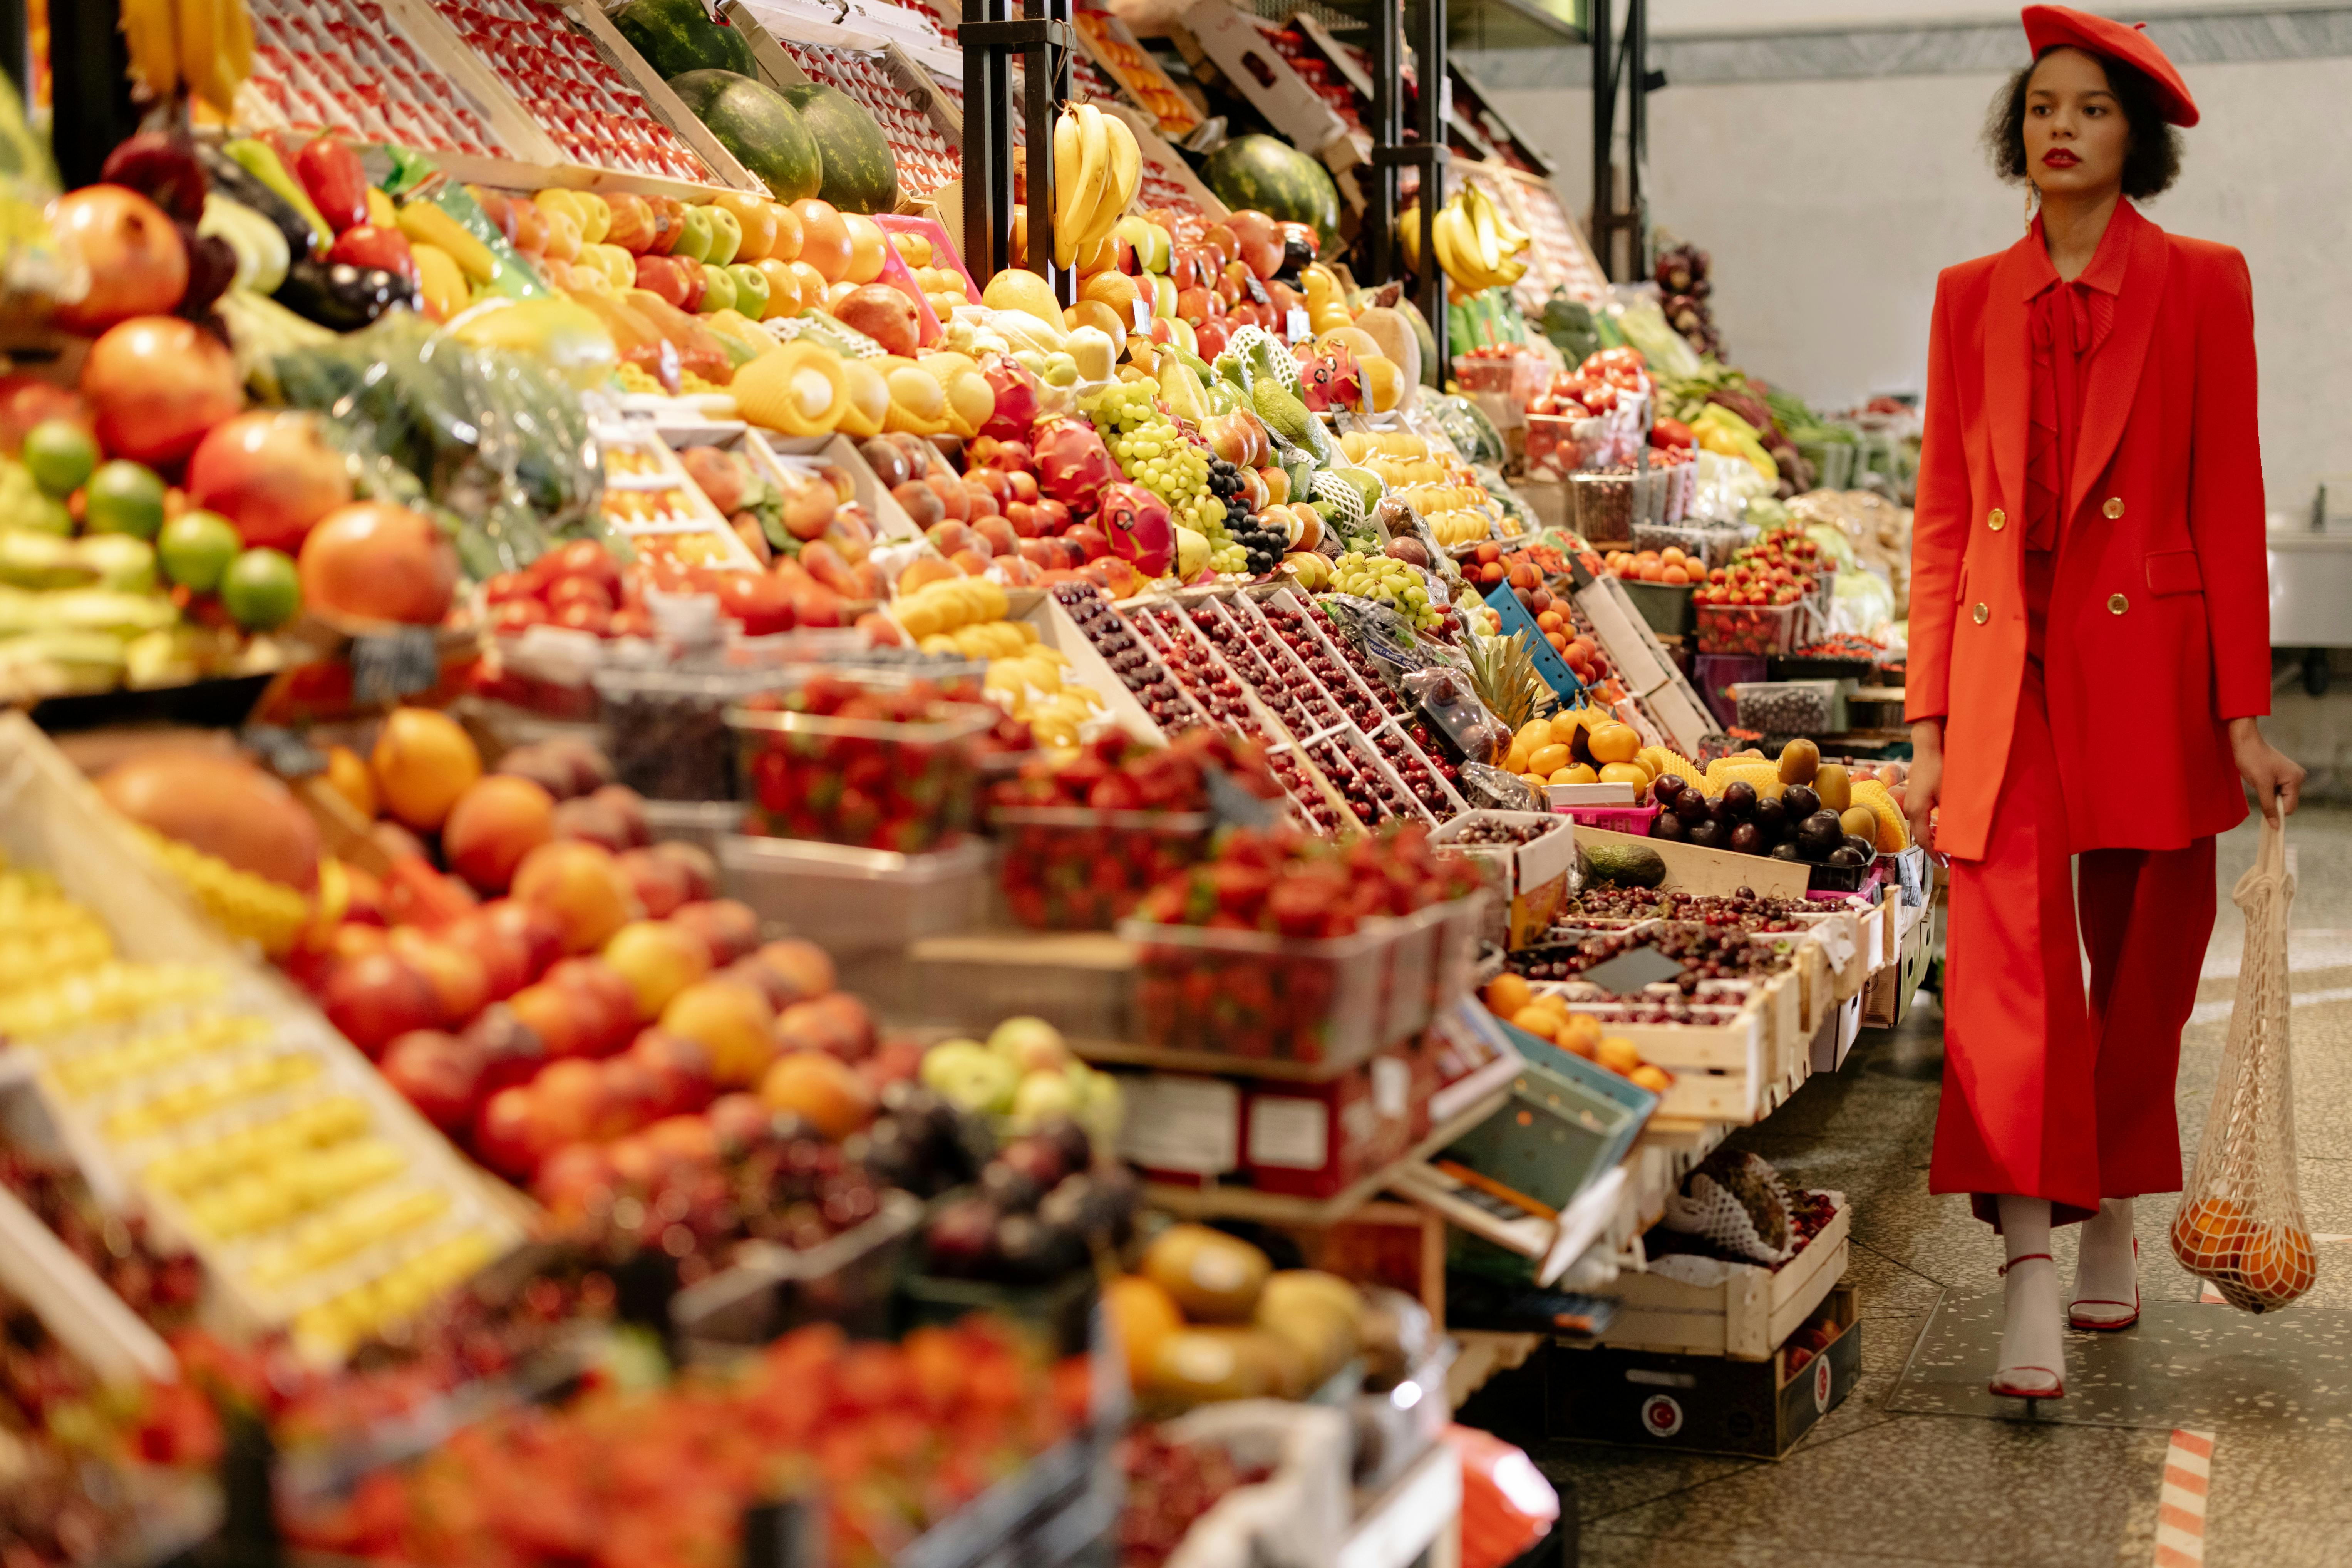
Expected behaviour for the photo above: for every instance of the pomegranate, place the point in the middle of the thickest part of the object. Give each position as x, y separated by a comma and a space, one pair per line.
138, 264
272, 474
157, 385
373, 561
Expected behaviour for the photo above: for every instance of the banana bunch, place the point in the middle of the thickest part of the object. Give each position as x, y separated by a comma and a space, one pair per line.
204, 46
1096, 167
1478, 247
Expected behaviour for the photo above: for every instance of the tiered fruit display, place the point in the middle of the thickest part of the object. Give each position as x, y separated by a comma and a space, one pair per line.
1547, 1015
1207, 1316
1060, 874
1600, 904
1799, 808
1434, 481
666, 1476
1586, 745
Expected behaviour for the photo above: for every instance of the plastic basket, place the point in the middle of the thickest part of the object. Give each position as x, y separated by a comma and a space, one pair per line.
850, 900
1633, 819
1070, 868
666, 729
1747, 628
1789, 707
870, 783
771, 1291
1665, 607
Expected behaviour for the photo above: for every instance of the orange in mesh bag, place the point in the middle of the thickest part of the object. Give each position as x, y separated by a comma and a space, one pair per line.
2241, 1223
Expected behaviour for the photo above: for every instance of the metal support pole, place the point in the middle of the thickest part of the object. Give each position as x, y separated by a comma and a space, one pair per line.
1378, 180
1044, 39
1429, 117
1604, 136
89, 87
987, 144
1637, 135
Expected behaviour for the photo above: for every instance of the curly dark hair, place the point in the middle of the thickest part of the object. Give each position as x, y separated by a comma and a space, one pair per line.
2151, 162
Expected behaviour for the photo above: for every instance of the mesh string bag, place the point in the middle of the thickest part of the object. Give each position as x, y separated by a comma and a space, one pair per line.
2239, 1224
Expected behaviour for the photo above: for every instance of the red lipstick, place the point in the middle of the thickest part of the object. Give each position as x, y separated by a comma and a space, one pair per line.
2059, 158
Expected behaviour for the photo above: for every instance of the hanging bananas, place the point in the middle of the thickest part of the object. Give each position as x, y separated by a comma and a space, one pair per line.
1096, 168
203, 46
1478, 247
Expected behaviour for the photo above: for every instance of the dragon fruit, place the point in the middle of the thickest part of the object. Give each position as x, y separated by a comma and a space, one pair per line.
1016, 398
1331, 379
1073, 464
1139, 527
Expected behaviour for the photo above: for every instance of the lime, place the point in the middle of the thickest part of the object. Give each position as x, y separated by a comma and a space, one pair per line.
123, 497
61, 454
196, 548
260, 590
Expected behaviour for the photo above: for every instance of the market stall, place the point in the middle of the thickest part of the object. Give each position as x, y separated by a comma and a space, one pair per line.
687, 874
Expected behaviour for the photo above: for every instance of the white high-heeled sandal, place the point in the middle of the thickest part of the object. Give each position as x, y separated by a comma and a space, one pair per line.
2108, 1316
2026, 1382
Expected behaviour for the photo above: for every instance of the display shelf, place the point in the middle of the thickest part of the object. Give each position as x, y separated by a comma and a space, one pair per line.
377, 71
1415, 1514
1277, 1208
1474, 104
1120, 56
1562, 259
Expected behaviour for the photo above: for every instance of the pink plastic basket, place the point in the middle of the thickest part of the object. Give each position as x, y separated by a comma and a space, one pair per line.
1632, 819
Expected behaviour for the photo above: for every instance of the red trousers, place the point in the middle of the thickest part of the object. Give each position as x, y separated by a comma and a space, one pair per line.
2047, 1094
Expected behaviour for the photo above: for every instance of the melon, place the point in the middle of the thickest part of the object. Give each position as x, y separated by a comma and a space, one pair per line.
680, 35
754, 122
1278, 180
221, 804
861, 174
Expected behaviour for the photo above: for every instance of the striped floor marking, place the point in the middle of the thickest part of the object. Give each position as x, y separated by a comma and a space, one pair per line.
2180, 1506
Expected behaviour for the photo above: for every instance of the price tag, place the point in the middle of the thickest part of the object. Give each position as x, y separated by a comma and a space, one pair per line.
1295, 326
1629, 971
287, 754
1257, 287
389, 665
1143, 313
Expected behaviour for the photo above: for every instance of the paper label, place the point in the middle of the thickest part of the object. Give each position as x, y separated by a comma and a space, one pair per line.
1143, 313
1392, 1087
389, 665
1289, 1133
1295, 325
1191, 1124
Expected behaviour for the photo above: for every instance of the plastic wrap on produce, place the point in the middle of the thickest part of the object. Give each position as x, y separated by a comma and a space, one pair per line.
1467, 426
497, 443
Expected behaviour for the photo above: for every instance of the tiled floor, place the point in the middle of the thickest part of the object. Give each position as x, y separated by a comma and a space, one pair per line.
1932, 1470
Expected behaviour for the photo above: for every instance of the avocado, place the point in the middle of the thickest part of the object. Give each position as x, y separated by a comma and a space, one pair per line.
1626, 865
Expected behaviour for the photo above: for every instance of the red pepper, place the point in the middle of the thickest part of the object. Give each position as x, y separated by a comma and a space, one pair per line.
369, 246
331, 177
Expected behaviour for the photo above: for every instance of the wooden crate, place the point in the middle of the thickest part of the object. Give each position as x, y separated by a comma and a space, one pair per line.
1887, 1001
1748, 1316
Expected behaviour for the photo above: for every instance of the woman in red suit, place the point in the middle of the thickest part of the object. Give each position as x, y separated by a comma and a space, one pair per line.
2090, 649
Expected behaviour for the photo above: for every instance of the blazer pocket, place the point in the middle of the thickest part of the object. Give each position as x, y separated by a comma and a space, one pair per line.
1961, 581
2174, 571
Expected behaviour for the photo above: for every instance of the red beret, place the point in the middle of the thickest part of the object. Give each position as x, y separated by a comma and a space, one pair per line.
2052, 26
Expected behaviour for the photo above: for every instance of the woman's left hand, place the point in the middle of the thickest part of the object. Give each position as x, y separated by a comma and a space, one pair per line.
2274, 778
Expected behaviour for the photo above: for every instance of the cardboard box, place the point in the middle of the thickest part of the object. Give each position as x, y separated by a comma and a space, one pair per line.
1180, 1127
1704, 1403
1313, 1140
1693, 870
1836, 1038
1752, 1310
1238, 48
1887, 1000
1531, 879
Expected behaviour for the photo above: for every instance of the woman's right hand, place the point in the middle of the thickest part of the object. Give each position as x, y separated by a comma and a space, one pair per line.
1925, 784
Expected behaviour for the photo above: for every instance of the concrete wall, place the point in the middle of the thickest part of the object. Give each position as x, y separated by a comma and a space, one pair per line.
1829, 204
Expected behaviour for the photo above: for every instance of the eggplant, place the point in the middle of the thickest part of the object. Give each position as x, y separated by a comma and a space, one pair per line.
341, 297
233, 179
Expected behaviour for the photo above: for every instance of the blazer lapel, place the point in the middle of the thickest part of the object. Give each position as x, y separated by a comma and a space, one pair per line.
2115, 369
2009, 370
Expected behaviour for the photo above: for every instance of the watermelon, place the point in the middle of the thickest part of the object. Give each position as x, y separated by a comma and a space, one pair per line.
678, 35
1278, 180
861, 172
752, 120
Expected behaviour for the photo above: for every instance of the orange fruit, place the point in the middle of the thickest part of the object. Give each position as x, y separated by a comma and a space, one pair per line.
787, 246
784, 288
1537, 1021
1625, 773
1614, 743
867, 248
1506, 993
824, 238
1549, 760
813, 285
2277, 1264
1580, 773
2207, 1234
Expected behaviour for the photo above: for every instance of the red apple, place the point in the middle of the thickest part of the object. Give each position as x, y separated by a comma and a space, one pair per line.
376, 997
439, 1074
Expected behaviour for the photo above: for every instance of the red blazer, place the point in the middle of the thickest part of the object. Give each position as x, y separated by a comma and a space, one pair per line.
2159, 611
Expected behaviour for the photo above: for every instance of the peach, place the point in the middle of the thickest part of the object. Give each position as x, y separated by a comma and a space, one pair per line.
582, 886
681, 1065
537, 933
821, 1090
630, 807
837, 1025
730, 1021
701, 869
728, 928
738, 1120
684, 1138
591, 821
460, 981
494, 825
504, 956
658, 959
662, 881
376, 997
636, 1161
566, 1020
761, 978
511, 1136
633, 1097
570, 1097
575, 1179
423, 761
924, 570
612, 1001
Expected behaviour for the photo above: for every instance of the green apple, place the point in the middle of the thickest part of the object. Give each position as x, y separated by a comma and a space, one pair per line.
726, 237
751, 289
694, 235
1030, 1044
718, 292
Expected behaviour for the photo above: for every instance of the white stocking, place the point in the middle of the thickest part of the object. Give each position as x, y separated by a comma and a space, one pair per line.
2107, 1273
2030, 1336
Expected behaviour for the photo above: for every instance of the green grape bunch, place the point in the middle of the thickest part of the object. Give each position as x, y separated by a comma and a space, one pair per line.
1386, 581
1152, 450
